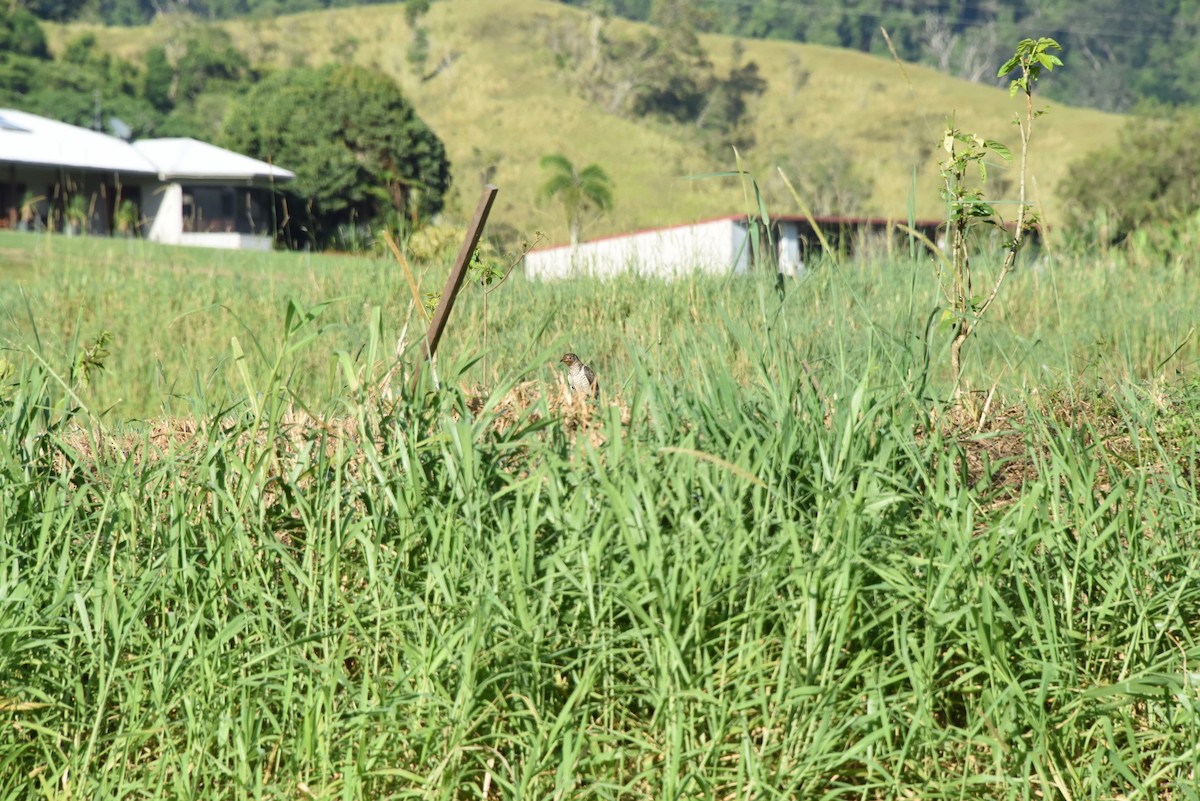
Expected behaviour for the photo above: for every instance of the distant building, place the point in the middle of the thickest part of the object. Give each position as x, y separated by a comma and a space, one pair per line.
721, 246
176, 191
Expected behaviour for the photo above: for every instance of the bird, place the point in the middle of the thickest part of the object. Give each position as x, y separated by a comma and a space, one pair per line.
580, 377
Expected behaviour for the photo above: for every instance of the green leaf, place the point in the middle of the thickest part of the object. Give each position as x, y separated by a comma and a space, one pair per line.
999, 149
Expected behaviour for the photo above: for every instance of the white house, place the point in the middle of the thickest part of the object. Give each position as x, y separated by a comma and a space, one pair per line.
176, 191
209, 196
720, 246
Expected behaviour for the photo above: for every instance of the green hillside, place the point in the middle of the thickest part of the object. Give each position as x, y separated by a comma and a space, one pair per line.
503, 103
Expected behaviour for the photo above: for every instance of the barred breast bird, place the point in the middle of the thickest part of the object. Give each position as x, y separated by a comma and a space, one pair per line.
580, 377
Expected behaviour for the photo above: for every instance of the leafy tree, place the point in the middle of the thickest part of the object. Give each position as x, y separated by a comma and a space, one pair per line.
80, 50
578, 191
676, 73
192, 80
92, 70
359, 151
1151, 175
774, 19
21, 35
158, 80
206, 57
18, 76
79, 108
204, 118
629, 9
414, 10
418, 51
726, 112
127, 12
23, 54
56, 10
664, 74
671, 81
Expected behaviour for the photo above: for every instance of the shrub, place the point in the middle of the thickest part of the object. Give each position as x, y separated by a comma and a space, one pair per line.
1151, 175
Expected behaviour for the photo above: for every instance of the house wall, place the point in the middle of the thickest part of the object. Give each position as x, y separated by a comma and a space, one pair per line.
164, 209
718, 246
227, 241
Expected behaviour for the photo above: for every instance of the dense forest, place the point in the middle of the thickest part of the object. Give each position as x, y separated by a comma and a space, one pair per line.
1118, 53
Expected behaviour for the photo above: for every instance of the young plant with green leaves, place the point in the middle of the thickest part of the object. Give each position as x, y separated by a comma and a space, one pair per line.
125, 218
968, 210
76, 214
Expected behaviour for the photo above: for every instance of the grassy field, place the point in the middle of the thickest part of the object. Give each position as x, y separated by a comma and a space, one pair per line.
172, 314
240, 571
504, 103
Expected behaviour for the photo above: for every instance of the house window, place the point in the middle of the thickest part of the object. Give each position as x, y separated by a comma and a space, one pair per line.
226, 209
10, 203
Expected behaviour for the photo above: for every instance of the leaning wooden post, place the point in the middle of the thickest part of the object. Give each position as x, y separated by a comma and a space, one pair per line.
442, 313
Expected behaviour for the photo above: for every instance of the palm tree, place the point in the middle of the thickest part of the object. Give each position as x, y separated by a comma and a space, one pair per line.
579, 191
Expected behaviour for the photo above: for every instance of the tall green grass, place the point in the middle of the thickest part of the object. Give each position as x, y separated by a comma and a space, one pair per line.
1067, 320
743, 580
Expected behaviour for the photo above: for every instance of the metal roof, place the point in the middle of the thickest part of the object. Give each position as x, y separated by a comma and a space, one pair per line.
29, 139
186, 158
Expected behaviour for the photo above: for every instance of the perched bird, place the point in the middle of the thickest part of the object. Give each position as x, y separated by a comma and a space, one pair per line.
580, 377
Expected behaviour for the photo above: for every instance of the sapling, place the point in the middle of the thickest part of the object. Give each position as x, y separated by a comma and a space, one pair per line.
967, 208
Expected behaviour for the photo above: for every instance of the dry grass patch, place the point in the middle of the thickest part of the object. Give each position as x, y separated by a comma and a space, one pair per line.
186, 438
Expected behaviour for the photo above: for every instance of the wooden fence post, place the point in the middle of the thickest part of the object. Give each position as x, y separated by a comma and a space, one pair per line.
442, 313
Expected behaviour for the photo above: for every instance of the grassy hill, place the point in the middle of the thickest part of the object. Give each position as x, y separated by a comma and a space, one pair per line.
503, 103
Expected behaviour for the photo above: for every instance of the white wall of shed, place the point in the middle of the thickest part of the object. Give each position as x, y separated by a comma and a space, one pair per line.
717, 246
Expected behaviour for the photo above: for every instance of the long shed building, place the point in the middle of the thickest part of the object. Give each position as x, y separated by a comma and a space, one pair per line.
720, 246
